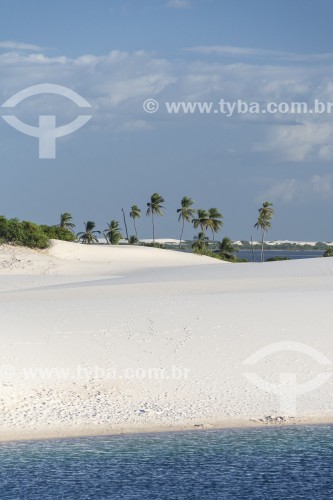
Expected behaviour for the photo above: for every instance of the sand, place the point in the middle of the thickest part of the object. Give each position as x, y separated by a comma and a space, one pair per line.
102, 339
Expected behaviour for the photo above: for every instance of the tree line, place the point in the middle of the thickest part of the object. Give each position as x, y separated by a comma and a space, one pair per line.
202, 219
26, 233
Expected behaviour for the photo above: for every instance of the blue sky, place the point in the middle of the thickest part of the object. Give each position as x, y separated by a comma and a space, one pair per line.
118, 53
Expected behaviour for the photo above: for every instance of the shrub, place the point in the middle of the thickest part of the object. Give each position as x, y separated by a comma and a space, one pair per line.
58, 233
23, 233
274, 259
133, 240
329, 252
152, 245
209, 253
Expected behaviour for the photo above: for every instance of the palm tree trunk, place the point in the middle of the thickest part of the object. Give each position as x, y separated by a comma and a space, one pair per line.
262, 246
125, 223
136, 233
181, 234
252, 248
152, 220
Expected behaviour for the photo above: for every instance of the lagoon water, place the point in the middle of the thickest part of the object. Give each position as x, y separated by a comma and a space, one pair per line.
258, 463
291, 254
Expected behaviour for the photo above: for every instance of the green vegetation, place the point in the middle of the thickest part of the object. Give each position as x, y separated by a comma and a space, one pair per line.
214, 255
58, 233
135, 213
201, 243
112, 233
153, 245
215, 222
329, 252
155, 208
201, 220
204, 219
247, 245
66, 221
28, 234
25, 233
227, 250
133, 240
186, 213
275, 259
88, 235
263, 223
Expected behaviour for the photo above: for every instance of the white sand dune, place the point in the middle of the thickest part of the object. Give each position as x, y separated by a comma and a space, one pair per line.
101, 339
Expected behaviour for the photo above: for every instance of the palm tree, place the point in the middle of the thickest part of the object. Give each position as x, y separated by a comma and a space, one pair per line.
155, 208
88, 235
227, 249
66, 221
200, 243
112, 234
202, 220
135, 213
263, 223
186, 213
215, 220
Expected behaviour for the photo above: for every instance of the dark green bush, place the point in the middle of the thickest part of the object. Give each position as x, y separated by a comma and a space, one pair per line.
23, 233
329, 252
216, 255
152, 245
33, 236
274, 259
58, 233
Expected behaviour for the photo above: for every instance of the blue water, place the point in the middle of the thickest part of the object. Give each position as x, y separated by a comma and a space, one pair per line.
265, 463
291, 254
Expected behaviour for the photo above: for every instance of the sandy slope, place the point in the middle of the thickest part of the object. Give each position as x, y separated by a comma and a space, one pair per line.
104, 339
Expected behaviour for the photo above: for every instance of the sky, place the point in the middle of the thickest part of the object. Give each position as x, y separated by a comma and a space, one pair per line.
120, 54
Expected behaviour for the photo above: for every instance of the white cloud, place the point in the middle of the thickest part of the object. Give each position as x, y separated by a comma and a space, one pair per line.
290, 190
233, 51
118, 83
302, 142
179, 4
10, 45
